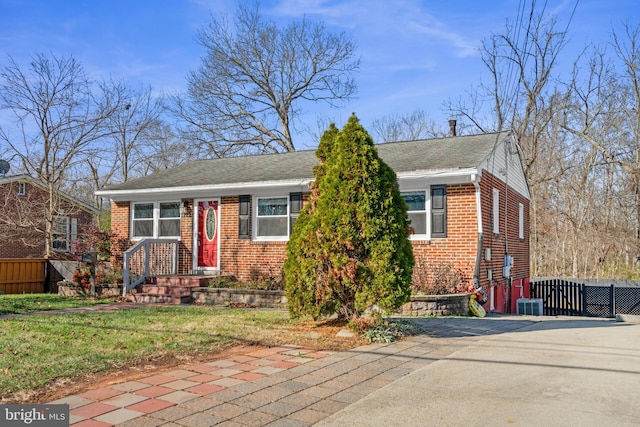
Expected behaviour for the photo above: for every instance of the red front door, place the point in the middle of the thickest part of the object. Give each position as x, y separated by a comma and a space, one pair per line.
208, 234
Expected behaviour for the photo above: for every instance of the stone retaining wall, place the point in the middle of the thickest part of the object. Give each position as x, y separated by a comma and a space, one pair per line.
224, 296
420, 305
69, 289
437, 305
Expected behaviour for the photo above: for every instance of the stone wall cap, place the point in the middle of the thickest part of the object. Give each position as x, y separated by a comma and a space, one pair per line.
440, 297
240, 291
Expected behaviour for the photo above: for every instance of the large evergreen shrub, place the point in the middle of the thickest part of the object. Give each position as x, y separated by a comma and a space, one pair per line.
349, 249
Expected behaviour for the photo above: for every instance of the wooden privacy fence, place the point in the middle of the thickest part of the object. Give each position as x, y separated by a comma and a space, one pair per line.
563, 297
22, 276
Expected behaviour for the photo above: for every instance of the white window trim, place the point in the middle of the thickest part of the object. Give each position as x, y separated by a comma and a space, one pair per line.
22, 189
496, 211
427, 207
156, 220
254, 219
520, 221
427, 212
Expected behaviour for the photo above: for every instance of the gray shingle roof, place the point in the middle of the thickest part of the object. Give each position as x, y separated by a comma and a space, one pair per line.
412, 156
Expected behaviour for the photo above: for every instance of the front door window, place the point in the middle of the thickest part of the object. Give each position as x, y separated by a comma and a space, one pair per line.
210, 224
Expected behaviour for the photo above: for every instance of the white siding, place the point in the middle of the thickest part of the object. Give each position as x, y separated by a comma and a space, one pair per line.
504, 163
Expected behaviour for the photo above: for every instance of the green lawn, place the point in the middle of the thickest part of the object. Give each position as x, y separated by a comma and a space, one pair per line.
36, 350
19, 304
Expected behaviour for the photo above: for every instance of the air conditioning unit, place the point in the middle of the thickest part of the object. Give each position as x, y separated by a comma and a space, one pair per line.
530, 306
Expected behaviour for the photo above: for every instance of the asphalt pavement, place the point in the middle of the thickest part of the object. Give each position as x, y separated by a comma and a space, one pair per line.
549, 372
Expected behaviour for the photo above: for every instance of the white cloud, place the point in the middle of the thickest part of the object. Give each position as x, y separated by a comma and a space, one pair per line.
398, 29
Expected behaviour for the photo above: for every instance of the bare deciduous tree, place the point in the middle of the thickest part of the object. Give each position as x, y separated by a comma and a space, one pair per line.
602, 111
522, 97
255, 78
131, 124
407, 127
164, 149
57, 117
128, 144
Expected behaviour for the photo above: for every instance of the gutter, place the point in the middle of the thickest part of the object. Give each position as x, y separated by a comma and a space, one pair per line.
476, 273
199, 191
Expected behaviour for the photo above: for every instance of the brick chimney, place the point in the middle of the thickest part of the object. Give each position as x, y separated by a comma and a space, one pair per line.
452, 127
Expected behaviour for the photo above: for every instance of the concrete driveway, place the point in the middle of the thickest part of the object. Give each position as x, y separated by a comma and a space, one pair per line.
551, 372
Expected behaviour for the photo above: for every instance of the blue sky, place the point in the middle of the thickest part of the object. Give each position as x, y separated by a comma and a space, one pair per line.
415, 54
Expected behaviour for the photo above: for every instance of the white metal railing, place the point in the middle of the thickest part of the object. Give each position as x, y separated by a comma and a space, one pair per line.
149, 257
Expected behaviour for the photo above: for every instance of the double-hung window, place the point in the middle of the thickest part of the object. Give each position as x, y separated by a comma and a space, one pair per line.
520, 221
60, 234
427, 215
272, 218
496, 211
169, 221
417, 211
142, 220
155, 219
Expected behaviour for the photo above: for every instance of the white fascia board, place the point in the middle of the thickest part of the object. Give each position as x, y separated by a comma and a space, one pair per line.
436, 177
448, 176
201, 190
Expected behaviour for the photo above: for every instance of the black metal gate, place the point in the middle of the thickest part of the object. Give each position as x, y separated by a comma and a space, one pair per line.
562, 297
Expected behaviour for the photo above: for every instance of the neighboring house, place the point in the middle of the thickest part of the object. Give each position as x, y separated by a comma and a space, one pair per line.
467, 195
24, 204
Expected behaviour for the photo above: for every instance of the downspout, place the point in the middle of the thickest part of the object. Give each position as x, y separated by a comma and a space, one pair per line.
476, 273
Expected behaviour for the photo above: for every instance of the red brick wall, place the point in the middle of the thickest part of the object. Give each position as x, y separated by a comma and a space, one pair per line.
185, 254
508, 238
247, 259
31, 209
120, 212
459, 247
120, 223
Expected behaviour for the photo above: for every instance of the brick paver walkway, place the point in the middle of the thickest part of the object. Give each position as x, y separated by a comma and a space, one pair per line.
282, 386
178, 394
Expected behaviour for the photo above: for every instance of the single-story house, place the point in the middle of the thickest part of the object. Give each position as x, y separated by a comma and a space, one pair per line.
467, 195
24, 203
